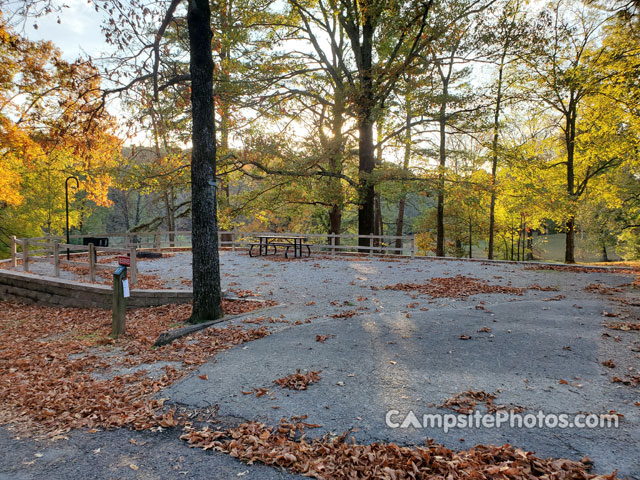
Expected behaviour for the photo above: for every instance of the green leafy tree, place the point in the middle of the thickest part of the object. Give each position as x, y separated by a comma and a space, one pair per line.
564, 73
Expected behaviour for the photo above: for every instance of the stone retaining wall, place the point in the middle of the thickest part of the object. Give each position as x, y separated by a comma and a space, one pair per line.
39, 290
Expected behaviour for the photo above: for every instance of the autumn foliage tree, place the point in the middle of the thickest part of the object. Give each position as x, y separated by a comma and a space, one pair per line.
342, 117
50, 127
566, 73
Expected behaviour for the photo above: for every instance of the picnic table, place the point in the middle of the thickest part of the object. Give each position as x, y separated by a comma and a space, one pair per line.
267, 242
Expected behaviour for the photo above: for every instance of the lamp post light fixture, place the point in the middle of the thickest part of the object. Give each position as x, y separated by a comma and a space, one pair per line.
66, 201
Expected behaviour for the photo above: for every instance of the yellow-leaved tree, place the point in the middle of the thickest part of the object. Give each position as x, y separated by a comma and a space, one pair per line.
52, 125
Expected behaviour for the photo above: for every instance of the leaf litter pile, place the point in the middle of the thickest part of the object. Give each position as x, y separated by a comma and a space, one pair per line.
623, 326
60, 369
601, 289
575, 269
335, 458
459, 286
143, 280
466, 402
298, 381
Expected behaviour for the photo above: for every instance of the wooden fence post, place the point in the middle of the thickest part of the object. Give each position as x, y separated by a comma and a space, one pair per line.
56, 257
157, 242
92, 262
14, 249
413, 246
134, 266
233, 240
371, 244
332, 242
25, 254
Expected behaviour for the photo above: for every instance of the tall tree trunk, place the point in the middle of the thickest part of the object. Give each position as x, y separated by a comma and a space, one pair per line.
513, 236
224, 99
170, 214
603, 256
167, 210
367, 191
207, 295
156, 134
137, 216
224, 145
366, 154
570, 136
494, 157
445, 78
224, 200
134, 238
442, 121
224, 91
400, 223
81, 221
405, 168
441, 178
520, 237
335, 147
570, 239
529, 235
378, 227
125, 211
335, 222
470, 238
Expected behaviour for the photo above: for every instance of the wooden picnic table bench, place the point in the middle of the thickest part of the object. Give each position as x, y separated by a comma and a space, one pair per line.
265, 242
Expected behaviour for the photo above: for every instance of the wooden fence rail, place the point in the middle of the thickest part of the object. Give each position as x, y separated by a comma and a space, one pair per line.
43, 247
30, 249
330, 243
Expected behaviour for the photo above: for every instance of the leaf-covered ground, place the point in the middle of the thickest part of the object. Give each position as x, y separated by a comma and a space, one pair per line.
337, 458
459, 286
60, 368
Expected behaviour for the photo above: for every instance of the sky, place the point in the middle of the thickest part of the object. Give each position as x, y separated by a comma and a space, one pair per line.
77, 33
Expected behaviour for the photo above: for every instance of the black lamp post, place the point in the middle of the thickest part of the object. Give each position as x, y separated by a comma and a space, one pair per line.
66, 200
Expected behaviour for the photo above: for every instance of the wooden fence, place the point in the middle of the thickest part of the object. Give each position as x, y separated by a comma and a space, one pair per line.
328, 243
26, 250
